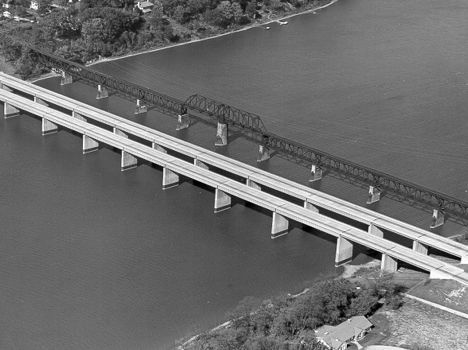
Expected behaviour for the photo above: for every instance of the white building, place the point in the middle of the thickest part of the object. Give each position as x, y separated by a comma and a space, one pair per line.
145, 6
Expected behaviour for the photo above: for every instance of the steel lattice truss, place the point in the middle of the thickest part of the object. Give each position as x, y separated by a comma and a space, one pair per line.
226, 114
148, 97
249, 122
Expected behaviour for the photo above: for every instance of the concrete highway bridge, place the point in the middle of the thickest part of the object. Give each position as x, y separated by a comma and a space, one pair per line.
237, 180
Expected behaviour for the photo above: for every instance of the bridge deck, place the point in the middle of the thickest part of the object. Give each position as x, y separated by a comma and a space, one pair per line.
258, 197
246, 171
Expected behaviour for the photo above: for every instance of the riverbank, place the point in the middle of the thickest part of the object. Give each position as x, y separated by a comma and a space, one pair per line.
273, 18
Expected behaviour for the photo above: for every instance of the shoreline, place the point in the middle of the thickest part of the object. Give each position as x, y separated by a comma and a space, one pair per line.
248, 27
348, 272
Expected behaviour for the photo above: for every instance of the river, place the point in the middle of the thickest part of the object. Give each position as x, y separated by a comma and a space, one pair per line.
94, 258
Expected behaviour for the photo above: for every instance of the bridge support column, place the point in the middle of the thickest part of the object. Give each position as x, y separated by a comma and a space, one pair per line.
48, 127
221, 134
253, 184
308, 205
155, 146
419, 247
374, 195
222, 201
101, 92
183, 121
344, 251
438, 218
89, 144
78, 116
66, 78
264, 153
279, 225
464, 259
374, 230
140, 108
9, 111
170, 179
119, 132
315, 173
388, 264
128, 161
38, 100
200, 164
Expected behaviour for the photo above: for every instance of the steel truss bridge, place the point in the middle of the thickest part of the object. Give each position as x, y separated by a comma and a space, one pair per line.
252, 125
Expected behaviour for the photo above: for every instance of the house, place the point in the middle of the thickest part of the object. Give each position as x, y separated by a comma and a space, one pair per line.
145, 6
34, 5
337, 337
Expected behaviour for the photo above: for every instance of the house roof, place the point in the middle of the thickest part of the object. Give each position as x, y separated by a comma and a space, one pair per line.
336, 336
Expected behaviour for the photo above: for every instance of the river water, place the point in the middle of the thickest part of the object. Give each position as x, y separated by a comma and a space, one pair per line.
93, 258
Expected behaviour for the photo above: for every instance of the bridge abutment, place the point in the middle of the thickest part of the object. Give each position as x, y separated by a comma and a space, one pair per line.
66, 78
419, 247
388, 264
89, 144
48, 127
140, 108
155, 146
222, 201
10, 111
183, 121
128, 161
221, 134
374, 195
438, 218
374, 230
101, 92
279, 225
264, 153
316, 173
344, 251
170, 179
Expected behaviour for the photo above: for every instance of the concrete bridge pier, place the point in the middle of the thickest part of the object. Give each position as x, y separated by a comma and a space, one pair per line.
48, 127
221, 134
279, 225
344, 251
119, 132
264, 153
373, 230
200, 164
140, 108
10, 111
374, 195
316, 173
438, 218
388, 264
310, 206
128, 161
253, 184
38, 100
222, 201
89, 144
419, 247
101, 92
183, 121
170, 179
66, 78
155, 146
78, 116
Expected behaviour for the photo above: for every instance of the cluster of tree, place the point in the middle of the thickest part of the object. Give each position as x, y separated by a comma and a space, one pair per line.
289, 322
86, 30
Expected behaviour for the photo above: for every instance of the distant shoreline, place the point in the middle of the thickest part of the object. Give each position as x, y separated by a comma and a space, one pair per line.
251, 26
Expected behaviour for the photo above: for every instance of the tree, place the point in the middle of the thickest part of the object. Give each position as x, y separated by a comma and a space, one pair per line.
226, 13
